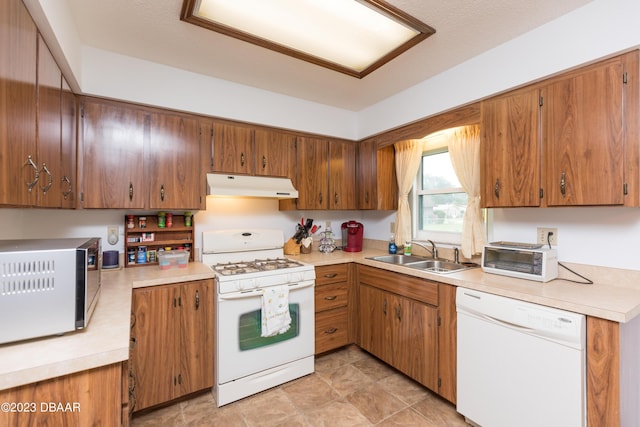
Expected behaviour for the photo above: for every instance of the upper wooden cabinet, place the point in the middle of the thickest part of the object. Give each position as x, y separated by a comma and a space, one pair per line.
49, 126
326, 174
377, 185
175, 179
583, 136
18, 63
133, 158
510, 154
569, 141
230, 147
112, 155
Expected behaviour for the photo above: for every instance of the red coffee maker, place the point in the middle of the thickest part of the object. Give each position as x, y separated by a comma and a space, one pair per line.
352, 234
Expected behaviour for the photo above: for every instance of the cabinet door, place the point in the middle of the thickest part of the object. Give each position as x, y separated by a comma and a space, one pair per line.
313, 173
342, 175
377, 185
154, 355
18, 41
583, 137
174, 163
49, 128
196, 336
232, 149
275, 154
511, 150
113, 175
69, 147
447, 342
375, 331
414, 340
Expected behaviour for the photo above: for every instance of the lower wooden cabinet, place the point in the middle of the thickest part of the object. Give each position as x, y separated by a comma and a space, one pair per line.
172, 342
332, 293
410, 323
96, 397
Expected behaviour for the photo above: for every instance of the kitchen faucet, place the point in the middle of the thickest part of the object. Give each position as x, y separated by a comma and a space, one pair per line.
433, 251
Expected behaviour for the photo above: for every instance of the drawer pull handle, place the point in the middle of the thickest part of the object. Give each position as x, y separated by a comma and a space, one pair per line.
331, 331
330, 297
330, 275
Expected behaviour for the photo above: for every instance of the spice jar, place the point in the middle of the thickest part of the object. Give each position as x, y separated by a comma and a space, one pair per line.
130, 223
161, 219
142, 222
142, 254
131, 255
187, 219
169, 219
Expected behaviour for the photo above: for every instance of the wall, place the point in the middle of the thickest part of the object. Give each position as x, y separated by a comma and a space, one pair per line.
221, 213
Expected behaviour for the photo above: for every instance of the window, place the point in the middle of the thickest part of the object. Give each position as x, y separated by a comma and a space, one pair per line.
439, 200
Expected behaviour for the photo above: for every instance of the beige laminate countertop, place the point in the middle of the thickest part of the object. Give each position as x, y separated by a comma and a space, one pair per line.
615, 296
106, 339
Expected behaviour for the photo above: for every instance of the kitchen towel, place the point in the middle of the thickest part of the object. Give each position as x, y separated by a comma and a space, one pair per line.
276, 318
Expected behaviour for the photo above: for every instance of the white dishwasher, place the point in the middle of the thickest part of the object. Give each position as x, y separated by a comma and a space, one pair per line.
519, 364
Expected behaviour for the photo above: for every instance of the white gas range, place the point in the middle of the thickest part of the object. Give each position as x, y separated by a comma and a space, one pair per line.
248, 263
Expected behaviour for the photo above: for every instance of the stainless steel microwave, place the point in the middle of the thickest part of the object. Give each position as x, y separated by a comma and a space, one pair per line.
47, 286
521, 260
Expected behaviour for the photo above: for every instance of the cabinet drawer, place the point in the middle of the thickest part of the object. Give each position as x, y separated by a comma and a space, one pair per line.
332, 329
331, 296
411, 287
332, 274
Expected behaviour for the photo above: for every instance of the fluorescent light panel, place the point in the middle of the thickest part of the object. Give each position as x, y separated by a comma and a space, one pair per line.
350, 36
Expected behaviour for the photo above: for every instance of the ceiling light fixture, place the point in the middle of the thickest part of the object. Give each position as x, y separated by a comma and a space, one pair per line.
354, 37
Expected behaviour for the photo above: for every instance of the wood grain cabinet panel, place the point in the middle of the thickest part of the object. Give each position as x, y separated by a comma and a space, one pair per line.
175, 180
230, 148
18, 56
112, 155
342, 175
510, 152
172, 333
377, 183
583, 128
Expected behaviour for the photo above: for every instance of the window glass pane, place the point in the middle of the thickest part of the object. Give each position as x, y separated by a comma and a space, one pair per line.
442, 212
437, 172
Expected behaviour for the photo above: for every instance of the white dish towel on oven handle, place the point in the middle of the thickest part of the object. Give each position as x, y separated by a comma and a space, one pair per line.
276, 318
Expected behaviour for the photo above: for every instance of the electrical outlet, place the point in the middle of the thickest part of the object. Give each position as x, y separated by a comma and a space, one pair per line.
392, 227
112, 234
544, 232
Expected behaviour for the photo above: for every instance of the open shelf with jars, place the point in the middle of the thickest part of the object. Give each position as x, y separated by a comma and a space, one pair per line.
144, 237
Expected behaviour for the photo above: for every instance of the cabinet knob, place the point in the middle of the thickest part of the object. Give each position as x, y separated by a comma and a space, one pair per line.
563, 184
330, 275
399, 312
330, 297
320, 197
331, 331
335, 198
130, 191
241, 159
384, 306
162, 192
197, 299
366, 197
496, 188
264, 162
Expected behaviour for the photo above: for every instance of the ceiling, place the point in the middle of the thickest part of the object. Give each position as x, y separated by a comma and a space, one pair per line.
152, 30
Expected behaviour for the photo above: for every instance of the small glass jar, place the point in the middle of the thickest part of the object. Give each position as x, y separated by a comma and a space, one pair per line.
187, 219
131, 255
161, 219
130, 222
169, 219
142, 222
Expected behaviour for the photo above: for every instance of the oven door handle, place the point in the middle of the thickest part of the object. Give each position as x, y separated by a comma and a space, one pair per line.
258, 292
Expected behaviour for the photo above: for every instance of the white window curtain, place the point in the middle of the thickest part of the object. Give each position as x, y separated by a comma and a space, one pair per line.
464, 150
408, 156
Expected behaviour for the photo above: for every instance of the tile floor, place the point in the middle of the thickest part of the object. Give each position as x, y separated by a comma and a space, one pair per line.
349, 388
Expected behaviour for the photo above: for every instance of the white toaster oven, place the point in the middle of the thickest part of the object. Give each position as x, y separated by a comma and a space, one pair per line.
521, 260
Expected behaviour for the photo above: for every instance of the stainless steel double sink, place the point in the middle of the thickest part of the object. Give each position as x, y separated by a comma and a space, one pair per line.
425, 264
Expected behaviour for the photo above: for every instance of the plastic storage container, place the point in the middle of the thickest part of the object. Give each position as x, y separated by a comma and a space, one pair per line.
169, 259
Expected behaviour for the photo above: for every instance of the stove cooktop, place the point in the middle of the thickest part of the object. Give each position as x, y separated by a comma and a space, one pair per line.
255, 266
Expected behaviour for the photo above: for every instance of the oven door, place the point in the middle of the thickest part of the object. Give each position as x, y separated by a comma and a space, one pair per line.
240, 348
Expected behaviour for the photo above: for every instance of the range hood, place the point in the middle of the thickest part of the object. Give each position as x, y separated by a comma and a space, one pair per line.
250, 186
